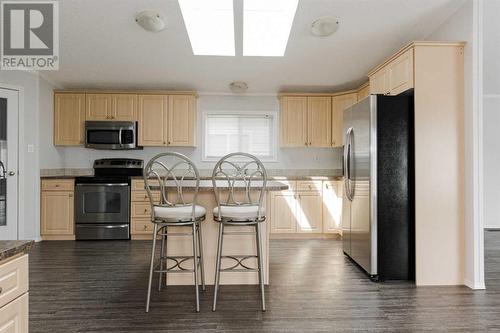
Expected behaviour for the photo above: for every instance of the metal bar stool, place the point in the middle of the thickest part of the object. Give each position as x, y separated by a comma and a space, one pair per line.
232, 179
175, 171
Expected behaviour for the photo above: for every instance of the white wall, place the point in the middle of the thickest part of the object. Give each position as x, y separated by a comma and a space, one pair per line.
491, 113
289, 158
460, 27
49, 155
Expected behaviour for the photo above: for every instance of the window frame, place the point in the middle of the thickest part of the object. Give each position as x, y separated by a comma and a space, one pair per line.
274, 132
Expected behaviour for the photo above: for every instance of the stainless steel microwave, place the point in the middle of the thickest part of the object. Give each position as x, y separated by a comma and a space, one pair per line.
111, 135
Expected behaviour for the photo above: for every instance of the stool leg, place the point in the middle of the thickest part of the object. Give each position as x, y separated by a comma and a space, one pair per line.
151, 267
261, 268
162, 251
195, 266
217, 264
200, 249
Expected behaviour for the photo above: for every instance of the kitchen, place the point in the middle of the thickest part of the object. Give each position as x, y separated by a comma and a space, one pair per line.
98, 130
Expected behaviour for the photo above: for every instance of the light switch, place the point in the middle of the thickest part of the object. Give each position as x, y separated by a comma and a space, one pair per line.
31, 148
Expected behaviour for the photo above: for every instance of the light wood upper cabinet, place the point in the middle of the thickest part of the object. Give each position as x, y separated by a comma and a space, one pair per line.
363, 91
401, 73
293, 121
379, 82
339, 104
153, 116
395, 77
124, 107
69, 119
107, 107
98, 107
319, 117
181, 120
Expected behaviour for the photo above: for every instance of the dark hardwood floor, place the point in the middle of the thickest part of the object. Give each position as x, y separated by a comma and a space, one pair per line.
101, 287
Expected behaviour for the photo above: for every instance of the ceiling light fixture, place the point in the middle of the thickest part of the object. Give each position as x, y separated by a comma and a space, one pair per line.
150, 20
238, 87
210, 26
324, 26
266, 26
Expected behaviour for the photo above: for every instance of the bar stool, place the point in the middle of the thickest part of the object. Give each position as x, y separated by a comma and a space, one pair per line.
232, 179
174, 170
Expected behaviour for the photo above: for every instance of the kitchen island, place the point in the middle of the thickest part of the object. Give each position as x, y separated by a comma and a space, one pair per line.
182, 245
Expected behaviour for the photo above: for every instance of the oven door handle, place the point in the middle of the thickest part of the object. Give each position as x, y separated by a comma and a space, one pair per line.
103, 184
106, 226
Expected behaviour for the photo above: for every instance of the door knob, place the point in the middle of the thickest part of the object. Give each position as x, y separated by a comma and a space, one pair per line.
12, 173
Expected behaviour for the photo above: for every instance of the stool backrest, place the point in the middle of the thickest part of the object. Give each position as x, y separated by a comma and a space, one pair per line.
172, 171
236, 172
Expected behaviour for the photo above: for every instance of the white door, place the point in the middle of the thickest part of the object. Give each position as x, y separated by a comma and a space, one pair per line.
9, 130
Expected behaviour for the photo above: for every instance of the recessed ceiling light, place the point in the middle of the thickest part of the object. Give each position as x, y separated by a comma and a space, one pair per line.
150, 20
324, 26
266, 26
210, 26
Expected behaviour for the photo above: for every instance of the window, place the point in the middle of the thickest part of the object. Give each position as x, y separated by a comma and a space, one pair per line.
249, 132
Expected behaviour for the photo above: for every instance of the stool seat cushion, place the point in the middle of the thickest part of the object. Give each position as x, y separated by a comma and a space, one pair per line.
181, 213
240, 213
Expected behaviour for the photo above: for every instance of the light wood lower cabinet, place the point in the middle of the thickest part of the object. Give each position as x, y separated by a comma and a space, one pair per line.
332, 206
310, 210
313, 207
57, 209
284, 212
141, 226
14, 299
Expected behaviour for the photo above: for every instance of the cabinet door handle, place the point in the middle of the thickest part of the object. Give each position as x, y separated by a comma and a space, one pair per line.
70, 195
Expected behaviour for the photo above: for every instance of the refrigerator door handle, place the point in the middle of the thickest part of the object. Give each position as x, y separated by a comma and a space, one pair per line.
347, 163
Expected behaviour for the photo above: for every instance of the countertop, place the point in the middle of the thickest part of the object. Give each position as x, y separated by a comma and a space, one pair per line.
206, 185
10, 248
273, 174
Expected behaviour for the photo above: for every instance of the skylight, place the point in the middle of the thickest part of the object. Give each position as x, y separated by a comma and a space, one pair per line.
210, 26
266, 26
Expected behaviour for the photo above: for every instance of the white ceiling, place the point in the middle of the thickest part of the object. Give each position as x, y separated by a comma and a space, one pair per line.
101, 46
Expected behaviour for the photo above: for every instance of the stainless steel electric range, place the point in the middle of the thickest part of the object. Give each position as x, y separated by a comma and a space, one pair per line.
102, 202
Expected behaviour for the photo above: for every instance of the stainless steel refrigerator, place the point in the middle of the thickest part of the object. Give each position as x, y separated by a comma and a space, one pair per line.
377, 213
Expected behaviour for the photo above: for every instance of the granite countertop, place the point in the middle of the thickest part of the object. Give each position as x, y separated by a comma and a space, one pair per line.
273, 174
10, 248
206, 185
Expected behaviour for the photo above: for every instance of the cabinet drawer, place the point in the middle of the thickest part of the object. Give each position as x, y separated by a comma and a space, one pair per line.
142, 226
141, 209
58, 184
142, 196
15, 316
138, 184
13, 279
309, 185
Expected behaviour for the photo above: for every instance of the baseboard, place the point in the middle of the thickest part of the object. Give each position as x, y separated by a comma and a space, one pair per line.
57, 237
305, 236
474, 286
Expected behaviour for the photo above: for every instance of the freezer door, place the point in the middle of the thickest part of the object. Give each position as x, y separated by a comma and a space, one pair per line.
362, 184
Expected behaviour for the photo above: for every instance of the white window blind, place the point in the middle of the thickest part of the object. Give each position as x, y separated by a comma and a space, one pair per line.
239, 132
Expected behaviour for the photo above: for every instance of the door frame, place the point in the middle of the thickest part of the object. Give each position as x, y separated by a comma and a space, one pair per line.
20, 156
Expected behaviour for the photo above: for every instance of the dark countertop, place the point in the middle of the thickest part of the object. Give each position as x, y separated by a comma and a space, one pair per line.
10, 248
